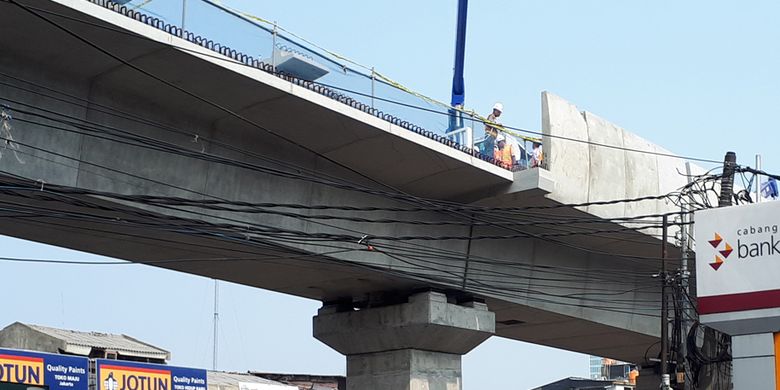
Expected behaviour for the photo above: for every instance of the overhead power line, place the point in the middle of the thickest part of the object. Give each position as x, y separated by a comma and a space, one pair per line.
275, 236
422, 108
172, 148
209, 102
192, 94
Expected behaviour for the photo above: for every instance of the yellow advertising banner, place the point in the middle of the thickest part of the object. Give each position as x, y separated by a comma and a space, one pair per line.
133, 378
21, 369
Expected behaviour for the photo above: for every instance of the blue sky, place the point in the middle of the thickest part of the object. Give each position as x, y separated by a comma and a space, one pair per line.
697, 77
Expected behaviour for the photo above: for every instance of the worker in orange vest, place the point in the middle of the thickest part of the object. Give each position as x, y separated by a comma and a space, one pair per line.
503, 153
632, 375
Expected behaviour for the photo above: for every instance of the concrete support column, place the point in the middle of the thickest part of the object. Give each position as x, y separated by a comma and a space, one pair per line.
754, 361
415, 345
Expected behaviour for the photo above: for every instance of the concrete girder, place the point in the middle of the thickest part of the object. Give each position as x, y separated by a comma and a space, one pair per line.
513, 276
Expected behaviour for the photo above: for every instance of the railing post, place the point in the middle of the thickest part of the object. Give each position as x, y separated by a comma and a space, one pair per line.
273, 49
473, 144
183, 16
373, 79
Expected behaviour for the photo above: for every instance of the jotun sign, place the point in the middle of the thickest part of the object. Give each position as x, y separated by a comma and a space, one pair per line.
50, 371
122, 375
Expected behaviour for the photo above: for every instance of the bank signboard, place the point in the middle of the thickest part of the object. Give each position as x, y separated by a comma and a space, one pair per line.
738, 258
36, 369
123, 375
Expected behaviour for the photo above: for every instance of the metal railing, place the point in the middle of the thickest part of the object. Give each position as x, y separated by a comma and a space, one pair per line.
262, 44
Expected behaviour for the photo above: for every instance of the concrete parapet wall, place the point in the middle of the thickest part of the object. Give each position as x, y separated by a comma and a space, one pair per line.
595, 160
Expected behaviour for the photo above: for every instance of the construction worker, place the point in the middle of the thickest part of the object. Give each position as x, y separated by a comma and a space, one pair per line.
490, 131
518, 151
498, 108
632, 375
503, 153
538, 156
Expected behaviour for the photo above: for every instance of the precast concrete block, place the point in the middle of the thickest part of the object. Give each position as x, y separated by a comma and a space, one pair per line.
671, 176
641, 177
607, 169
568, 160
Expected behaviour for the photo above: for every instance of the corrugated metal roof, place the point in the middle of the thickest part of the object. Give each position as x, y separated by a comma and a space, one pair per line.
126, 345
230, 378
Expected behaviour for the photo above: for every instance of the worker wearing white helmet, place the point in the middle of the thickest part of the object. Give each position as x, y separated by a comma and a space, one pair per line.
491, 132
498, 108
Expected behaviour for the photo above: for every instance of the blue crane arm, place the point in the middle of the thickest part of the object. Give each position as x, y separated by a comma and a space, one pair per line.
458, 84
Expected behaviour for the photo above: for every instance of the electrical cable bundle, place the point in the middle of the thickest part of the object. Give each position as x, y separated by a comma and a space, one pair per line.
335, 231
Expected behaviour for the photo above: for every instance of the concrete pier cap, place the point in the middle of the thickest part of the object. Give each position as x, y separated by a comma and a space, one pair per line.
414, 345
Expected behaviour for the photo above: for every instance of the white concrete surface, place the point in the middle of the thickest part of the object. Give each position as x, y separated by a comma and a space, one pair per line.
609, 164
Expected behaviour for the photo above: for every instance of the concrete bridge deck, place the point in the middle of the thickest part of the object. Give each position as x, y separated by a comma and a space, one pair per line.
573, 292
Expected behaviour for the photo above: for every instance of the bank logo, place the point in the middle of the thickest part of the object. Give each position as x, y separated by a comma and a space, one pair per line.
724, 252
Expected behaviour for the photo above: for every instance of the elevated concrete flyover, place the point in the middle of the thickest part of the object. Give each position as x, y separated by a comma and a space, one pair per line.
84, 122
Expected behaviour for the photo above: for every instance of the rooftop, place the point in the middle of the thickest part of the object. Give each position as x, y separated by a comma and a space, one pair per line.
231, 380
575, 383
83, 343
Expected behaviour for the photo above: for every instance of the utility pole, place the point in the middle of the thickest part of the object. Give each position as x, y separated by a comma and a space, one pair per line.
727, 193
665, 380
725, 200
686, 232
727, 181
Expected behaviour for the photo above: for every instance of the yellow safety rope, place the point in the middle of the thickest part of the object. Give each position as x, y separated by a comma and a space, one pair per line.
384, 78
142, 4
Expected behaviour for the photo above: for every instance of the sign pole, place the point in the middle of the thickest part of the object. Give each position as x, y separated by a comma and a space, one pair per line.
216, 325
758, 179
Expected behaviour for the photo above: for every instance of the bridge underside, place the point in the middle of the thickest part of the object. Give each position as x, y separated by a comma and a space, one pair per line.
329, 278
569, 292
